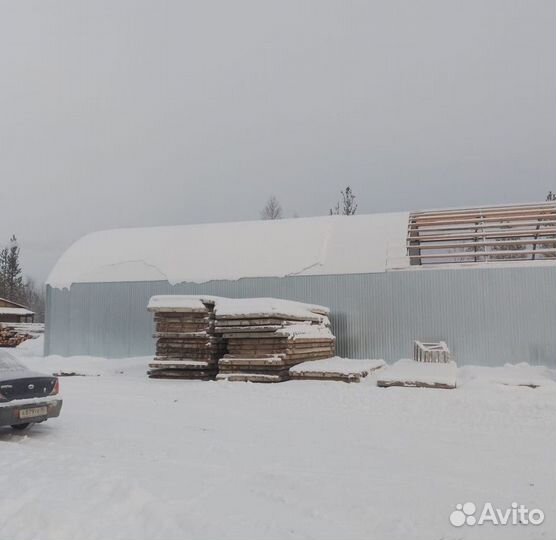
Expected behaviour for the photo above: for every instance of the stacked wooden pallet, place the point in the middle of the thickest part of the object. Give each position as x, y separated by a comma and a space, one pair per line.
266, 336
432, 367
410, 373
335, 369
186, 347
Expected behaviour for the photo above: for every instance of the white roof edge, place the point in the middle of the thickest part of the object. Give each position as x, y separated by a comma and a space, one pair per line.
200, 253
15, 311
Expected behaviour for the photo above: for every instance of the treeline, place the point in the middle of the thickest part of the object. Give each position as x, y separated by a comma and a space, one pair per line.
12, 284
346, 206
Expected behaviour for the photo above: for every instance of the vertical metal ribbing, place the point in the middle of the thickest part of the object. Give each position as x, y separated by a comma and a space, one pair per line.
487, 316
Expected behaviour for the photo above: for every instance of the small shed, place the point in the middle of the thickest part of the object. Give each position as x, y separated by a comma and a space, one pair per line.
12, 312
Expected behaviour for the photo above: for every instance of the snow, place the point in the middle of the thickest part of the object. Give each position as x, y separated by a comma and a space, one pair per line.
147, 459
511, 375
32, 401
239, 307
415, 373
176, 302
179, 362
201, 253
14, 311
268, 360
30, 347
306, 331
233, 308
34, 329
342, 366
268, 307
9, 362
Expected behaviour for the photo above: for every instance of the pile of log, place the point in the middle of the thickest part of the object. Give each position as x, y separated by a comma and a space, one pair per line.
34, 330
9, 337
265, 337
186, 346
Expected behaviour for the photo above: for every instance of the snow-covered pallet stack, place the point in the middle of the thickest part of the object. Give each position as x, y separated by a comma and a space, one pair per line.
407, 372
431, 367
267, 336
335, 369
186, 347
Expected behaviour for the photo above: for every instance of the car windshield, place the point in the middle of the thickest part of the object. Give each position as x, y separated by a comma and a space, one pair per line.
9, 363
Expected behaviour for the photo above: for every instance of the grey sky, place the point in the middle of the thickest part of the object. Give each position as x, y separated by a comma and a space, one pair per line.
126, 113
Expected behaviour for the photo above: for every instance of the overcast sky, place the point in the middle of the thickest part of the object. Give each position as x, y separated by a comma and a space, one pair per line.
120, 113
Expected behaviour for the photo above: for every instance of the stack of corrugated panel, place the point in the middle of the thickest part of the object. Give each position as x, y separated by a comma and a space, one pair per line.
265, 337
186, 347
335, 369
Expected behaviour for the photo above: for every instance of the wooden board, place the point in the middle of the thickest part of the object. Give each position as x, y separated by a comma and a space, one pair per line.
414, 384
340, 377
180, 364
280, 316
233, 330
253, 377
181, 374
226, 323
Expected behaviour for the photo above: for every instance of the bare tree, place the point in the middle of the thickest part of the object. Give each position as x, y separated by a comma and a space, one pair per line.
551, 196
35, 298
272, 210
347, 205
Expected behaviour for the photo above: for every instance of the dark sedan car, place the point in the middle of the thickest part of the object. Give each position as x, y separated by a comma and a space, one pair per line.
26, 397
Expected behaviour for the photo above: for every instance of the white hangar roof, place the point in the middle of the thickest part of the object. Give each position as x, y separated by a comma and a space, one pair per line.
201, 253
466, 237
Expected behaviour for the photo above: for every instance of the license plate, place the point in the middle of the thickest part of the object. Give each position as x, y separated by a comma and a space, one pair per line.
32, 412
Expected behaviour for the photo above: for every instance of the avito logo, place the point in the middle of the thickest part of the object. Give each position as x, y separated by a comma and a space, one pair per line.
517, 514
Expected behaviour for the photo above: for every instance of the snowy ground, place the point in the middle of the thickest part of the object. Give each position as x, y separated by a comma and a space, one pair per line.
171, 460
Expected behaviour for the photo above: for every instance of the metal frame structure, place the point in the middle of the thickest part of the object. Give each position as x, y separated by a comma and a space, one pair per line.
490, 234
436, 352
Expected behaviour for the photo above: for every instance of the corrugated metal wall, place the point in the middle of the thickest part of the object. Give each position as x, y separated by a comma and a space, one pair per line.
488, 316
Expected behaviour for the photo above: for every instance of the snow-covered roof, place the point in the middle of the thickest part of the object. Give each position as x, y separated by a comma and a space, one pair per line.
15, 311
11, 302
201, 253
